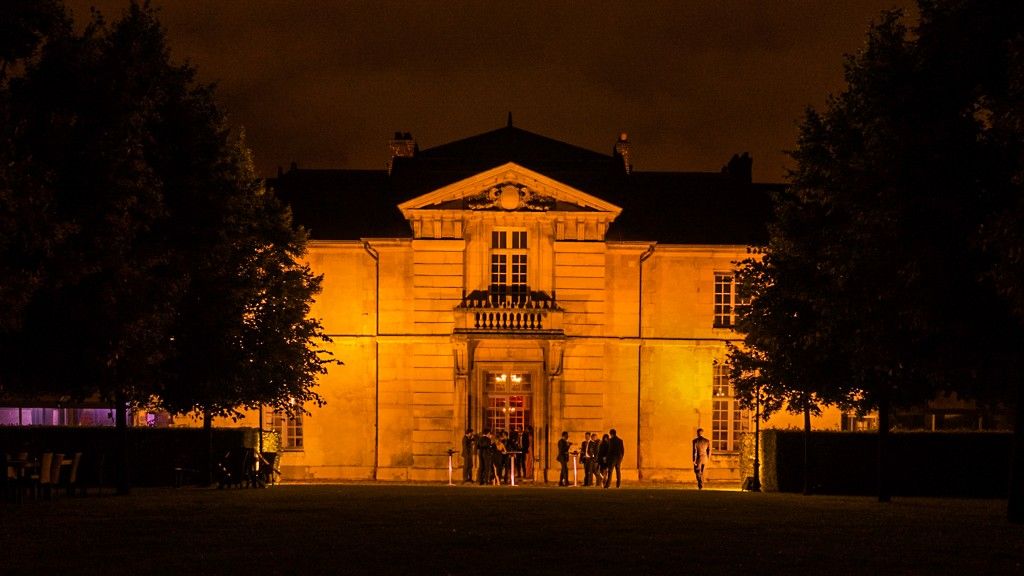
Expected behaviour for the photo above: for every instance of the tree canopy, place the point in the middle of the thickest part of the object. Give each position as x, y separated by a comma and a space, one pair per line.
889, 254
146, 260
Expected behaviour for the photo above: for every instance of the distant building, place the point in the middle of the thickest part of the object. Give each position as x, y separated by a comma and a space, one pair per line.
506, 281
509, 280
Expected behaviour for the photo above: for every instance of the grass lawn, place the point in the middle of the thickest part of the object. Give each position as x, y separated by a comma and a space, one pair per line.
437, 529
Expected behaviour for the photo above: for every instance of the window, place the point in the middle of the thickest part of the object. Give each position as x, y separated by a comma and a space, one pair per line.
508, 401
289, 428
728, 421
727, 298
508, 264
723, 300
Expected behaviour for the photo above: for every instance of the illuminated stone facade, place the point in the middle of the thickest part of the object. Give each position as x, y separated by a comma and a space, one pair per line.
509, 280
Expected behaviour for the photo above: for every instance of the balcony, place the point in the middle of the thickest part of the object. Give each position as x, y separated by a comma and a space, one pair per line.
534, 313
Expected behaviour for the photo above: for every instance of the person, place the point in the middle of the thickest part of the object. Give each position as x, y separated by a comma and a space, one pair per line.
468, 447
701, 456
483, 450
585, 458
526, 457
616, 450
563, 459
602, 458
592, 470
499, 457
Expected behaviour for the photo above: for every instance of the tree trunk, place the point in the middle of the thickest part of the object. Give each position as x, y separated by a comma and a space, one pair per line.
1015, 508
122, 481
208, 436
807, 449
884, 489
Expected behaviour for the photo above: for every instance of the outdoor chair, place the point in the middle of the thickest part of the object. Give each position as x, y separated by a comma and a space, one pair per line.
233, 470
72, 479
41, 480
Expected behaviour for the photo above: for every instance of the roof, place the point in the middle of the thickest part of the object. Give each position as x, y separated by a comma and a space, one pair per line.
668, 207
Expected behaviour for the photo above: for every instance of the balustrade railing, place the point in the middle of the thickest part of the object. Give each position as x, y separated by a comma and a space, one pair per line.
506, 313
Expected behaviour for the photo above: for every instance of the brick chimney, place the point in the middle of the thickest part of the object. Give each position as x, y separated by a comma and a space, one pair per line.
401, 146
623, 152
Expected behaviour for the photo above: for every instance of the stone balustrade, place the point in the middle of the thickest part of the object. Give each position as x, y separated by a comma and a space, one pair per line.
490, 313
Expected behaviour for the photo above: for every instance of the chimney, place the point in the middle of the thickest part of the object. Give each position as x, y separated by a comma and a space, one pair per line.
401, 146
622, 151
740, 167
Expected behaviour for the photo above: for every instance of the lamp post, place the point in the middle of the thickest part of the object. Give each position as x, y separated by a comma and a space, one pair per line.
756, 485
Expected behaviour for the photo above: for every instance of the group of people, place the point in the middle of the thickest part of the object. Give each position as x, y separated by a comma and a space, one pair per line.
496, 452
599, 457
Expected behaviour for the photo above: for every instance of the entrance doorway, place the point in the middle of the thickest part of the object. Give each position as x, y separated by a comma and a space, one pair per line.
509, 405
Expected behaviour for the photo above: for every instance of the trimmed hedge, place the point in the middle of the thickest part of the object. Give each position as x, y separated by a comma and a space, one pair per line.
153, 453
962, 464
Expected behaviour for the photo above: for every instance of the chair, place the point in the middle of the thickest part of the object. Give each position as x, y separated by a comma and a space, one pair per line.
42, 480
232, 470
55, 468
16, 476
72, 481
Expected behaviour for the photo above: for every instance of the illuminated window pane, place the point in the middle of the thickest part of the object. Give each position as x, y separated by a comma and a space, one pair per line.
289, 428
723, 300
728, 420
509, 263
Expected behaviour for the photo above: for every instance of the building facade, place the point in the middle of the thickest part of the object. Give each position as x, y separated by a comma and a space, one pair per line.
509, 280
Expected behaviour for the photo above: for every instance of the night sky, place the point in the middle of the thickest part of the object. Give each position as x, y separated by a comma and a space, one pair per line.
692, 81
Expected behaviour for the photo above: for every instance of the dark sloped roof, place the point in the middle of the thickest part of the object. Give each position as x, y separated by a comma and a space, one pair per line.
341, 204
668, 207
436, 167
692, 208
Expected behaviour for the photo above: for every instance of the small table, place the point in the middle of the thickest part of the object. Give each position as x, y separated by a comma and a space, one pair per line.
512, 468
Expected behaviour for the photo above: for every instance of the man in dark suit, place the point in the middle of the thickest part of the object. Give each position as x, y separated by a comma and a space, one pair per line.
616, 450
468, 447
483, 450
563, 459
585, 459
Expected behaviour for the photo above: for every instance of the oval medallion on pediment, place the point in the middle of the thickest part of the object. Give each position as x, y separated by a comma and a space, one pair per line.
509, 198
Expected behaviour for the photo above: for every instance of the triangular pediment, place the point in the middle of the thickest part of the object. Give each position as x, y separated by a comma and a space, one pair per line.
510, 188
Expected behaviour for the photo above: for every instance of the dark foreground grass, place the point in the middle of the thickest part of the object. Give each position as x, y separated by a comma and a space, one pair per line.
411, 529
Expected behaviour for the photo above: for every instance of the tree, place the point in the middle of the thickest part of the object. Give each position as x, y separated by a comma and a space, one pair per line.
879, 236
177, 275
28, 231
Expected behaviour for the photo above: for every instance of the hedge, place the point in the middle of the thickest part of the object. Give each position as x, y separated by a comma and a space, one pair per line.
962, 464
153, 453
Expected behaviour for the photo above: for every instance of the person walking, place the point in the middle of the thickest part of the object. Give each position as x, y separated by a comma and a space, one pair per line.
616, 450
468, 447
701, 456
563, 459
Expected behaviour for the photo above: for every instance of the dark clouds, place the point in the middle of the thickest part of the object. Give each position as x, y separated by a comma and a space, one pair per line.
692, 82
